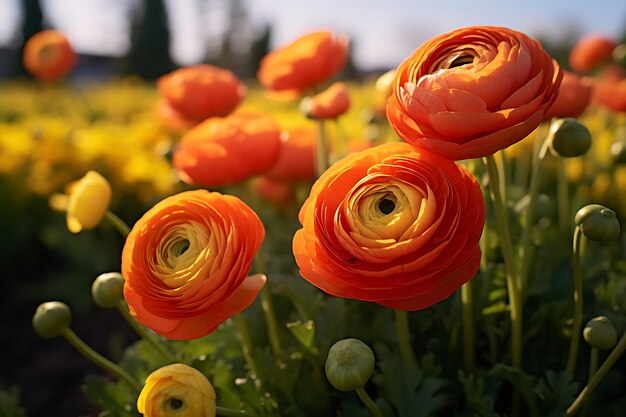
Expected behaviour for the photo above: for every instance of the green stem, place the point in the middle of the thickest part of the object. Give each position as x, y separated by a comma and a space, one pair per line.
509, 262
404, 338
369, 403
467, 301
229, 412
143, 333
117, 223
562, 196
98, 359
578, 304
597, 377
321, 149
593, 367
529, 216
268, 308
246, 343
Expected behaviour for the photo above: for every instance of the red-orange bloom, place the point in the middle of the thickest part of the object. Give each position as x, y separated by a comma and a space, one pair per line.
305, 63
277, 193
202, 91
221, 151
393, 225
48, 55
329, 104
296, 157
574, 96
186, 263
610, 89
590, 51
473, 91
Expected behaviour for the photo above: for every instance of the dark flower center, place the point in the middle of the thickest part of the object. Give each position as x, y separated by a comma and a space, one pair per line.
180, 247
386, 206
176, 404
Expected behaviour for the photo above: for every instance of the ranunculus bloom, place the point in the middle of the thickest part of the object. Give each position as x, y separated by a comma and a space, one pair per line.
393, 225
305, 63
177, 390
590, 51
202, 91
329, 104
296, 156
171, 119
610, 89
48, 55
473, 91
221, 151
88, 202
277, 193
574, 96
186, 263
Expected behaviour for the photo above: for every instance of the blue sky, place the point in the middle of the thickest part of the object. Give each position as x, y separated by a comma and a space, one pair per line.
384, 32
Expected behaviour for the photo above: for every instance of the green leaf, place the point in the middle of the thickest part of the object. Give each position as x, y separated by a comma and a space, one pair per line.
117, 398
304, 332
521, 381
557, 391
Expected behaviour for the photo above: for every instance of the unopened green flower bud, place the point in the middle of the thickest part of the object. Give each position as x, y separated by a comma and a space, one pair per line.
544, 206
108, 289
569, 138
618, 151
619, 54
51, 319
349, 365
600, 333
598, 223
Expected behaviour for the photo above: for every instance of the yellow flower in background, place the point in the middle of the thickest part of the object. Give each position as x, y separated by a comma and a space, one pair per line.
177, 390
88, 202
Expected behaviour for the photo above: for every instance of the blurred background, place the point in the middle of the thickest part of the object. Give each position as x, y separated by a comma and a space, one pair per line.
123, 47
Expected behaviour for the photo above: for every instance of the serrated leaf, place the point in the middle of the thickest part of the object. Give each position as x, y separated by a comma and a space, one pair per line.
557, 391
521, 381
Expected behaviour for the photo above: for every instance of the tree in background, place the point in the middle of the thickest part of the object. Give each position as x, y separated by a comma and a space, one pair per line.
149, 52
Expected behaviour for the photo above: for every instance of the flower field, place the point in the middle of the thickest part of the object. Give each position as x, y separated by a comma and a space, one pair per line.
445, 239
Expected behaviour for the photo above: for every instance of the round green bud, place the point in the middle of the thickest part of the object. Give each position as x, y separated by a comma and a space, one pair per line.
544, 206
618, 151
108, 289
349, 365
619, 54
569, 138
51, 319
598, 223
600, 333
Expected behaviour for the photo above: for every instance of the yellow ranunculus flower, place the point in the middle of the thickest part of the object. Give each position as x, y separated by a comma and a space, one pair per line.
88, 202
177, 390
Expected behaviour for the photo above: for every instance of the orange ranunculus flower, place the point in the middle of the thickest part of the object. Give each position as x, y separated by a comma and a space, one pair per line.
48, 55
277, 193
296, 156
574, 96
177, 390
393, 225
305, 63
590, 51
227, 150
473, 91
610, 91
329, 104
186, 263
202, 91
171, 119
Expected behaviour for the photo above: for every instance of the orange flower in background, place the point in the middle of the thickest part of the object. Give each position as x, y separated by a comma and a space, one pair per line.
177, 390
171, 119
221, 151
296, 156
473, 91
202, 91
574, 96
610, 90
392, 225
186, 263
590, 51
277, 193
48, 55
329, 104
305, 63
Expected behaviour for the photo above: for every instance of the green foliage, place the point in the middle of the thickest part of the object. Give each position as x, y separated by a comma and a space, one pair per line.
10, 403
